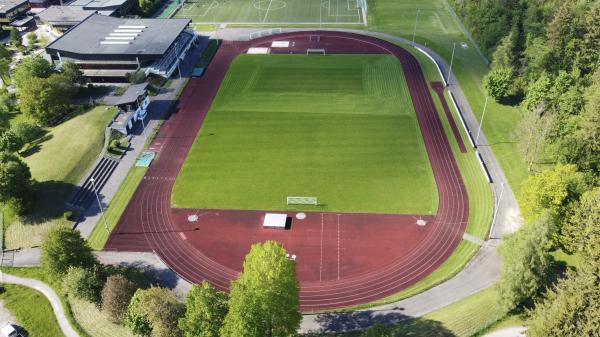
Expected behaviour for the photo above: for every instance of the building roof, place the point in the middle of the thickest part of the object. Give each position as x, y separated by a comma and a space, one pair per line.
98, 4
8, 5
64, 15
105, 35
131, 94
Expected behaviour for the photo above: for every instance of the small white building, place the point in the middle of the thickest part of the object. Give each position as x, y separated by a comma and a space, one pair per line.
275, 221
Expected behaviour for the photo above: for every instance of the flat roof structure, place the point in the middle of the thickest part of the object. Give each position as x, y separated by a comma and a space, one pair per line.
123, 38
7, 6
275, 220
64, 15
97, 4
131, 94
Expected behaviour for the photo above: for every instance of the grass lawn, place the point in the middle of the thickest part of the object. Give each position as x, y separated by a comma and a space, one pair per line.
31, 309
95, 322
341, 128
116, 207
57, 164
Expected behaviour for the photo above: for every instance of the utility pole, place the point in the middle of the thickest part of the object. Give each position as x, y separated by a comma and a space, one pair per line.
451, 61
481, 121
415, 27
99, 204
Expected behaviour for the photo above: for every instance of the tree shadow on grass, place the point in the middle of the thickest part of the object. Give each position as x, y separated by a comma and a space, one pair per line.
49, 201
353, 324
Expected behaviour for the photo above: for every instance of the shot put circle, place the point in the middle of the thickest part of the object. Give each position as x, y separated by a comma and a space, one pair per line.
270, 5
301, 216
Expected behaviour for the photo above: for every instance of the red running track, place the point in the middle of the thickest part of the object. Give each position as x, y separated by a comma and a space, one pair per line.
343, 259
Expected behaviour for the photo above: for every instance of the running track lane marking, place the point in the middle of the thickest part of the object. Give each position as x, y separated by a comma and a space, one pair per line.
338, 246
321, 261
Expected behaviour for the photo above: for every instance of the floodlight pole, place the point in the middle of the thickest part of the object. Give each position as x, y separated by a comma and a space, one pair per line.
415, 27
99, 204
451, 61
497, 208
481, 121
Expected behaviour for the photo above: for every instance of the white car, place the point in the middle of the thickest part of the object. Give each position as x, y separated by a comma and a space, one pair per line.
9, 330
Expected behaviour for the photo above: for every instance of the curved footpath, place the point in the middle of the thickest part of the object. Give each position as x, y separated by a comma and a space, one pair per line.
481, 272
54, 300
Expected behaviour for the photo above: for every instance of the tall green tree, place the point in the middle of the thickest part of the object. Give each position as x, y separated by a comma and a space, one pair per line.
264, 300
157, 309
15, 182
206, 308
64, 248
550, 190
581, 229
85, 284
498, 82
525, 264
572, 307
46, 100
31, 68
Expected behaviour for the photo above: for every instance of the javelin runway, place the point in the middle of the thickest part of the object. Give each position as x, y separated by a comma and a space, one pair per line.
342, 259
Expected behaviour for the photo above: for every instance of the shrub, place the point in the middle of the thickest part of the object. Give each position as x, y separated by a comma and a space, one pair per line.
116, 295
85, 284
68, 215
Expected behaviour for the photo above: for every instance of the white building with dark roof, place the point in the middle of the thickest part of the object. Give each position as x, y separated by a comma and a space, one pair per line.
107, 49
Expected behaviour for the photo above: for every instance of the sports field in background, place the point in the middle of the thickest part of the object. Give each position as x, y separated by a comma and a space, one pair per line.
341, 128
272, 11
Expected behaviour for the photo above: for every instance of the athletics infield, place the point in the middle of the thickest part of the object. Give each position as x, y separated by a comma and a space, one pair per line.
343, 259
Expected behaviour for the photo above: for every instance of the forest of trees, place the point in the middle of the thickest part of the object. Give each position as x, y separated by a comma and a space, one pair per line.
545, 58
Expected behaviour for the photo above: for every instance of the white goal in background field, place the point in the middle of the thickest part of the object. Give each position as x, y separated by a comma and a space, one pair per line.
311, 51
302, 201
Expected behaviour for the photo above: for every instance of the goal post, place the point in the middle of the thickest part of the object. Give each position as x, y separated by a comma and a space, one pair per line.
302, 201
315, 51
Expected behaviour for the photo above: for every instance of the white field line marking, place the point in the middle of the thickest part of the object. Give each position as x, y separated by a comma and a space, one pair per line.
267, 13
321, 262
338, 246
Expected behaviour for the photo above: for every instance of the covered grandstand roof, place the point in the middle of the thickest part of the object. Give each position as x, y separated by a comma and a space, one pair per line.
105, 35
97, 4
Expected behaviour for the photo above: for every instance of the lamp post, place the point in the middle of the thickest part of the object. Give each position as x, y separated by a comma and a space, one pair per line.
481, 121
415, 27
497, 208
99, 203
451, 61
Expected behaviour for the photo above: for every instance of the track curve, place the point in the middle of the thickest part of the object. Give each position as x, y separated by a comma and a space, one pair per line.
149, 222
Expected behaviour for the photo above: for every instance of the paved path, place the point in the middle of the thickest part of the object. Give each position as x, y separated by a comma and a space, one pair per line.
49, 294
158, 108
518, 331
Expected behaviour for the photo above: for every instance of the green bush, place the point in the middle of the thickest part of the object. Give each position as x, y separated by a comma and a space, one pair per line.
68, 215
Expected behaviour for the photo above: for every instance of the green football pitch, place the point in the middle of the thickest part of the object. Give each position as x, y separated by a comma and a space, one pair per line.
341, 128
273, 11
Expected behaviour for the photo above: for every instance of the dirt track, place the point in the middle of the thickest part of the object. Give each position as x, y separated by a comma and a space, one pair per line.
343, 259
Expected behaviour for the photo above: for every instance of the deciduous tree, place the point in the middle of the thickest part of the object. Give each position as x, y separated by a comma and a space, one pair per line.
85, 284
498, 83
206, 308
116, 295
572, 308
15, 182
525, 264
264, 300
64, 248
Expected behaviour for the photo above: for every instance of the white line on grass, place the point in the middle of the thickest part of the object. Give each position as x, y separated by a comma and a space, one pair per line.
267, 13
